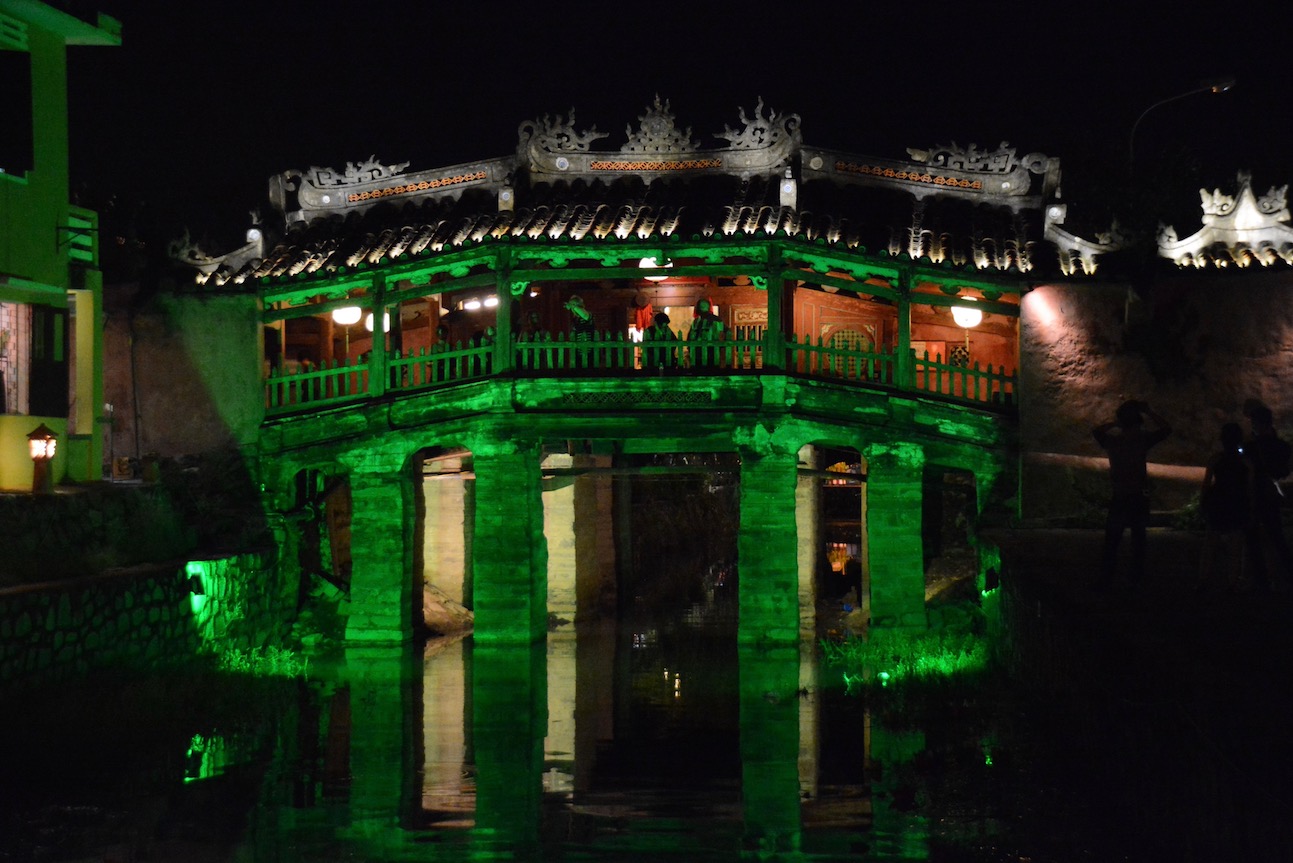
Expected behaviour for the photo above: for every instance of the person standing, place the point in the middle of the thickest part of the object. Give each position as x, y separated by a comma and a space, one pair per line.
660, 353
1226, 505
1128, 442
1269, 456
582, 329
706, 330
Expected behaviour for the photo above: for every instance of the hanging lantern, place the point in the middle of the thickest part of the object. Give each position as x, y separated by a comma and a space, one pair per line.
347, 315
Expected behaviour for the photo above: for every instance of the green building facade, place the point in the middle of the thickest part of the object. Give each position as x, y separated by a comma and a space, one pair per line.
51, 313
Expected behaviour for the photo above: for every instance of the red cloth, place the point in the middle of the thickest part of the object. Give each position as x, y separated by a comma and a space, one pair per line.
643, 317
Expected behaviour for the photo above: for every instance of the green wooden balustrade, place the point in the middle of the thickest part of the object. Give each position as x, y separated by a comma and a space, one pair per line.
614, 354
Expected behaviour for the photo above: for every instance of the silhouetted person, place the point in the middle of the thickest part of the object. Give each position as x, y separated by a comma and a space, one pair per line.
853, 578
706, 330
1226, 503
482, 340
661, 352
1127, 442
1269, 457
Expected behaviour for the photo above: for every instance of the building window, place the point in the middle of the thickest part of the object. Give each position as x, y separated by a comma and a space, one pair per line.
15, 351
17, 130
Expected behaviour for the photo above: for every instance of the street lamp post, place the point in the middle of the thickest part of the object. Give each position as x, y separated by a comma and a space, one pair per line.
1218, 85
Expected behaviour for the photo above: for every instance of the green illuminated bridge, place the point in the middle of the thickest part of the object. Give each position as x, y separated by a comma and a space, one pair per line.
553, 324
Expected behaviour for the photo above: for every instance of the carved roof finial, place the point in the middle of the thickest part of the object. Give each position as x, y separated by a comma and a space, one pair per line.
658, 133
761, 132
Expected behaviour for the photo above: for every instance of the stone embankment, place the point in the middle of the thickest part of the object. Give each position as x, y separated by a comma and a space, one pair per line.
141, 617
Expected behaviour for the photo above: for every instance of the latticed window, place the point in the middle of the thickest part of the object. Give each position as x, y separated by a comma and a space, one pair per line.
852, 340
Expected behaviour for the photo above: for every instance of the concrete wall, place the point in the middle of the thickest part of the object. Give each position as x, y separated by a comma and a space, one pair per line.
141, 618
1196, 348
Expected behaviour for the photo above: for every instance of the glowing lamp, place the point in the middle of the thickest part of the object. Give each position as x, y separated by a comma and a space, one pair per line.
386, 322
41, 443
652, 264
347, 315
471, 305
967, 316
491, 302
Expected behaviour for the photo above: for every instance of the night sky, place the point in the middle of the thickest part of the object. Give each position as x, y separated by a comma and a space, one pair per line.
182, 125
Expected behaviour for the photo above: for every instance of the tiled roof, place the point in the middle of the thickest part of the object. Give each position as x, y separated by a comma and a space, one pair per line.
875, 219
957, 206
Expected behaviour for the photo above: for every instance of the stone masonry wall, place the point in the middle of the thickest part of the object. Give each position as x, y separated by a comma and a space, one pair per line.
141, 618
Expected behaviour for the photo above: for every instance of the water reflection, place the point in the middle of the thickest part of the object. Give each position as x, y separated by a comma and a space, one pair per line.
655, 739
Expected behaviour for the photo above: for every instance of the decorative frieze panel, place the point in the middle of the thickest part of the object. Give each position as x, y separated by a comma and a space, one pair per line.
630, 399
305, 195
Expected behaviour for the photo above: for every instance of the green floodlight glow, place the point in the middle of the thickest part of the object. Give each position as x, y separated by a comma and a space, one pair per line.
894, 657
194, 569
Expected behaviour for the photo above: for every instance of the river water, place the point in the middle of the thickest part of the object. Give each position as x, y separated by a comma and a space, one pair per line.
656, 738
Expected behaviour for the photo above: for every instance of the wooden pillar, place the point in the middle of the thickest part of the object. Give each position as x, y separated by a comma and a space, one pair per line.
893, 527
768, 546
774, 337
377, 380
509, 554
503, 312
905, 371
382, 598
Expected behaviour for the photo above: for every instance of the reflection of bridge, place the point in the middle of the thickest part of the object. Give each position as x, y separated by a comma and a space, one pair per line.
524, 755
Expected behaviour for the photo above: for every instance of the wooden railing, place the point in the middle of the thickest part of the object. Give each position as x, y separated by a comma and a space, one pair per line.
612, 351
821, 360
963, 382
329, 383
612, 354
428, 368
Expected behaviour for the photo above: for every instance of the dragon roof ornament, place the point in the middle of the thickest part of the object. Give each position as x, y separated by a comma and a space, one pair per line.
369, 170
761, 131
557, 134
973, 160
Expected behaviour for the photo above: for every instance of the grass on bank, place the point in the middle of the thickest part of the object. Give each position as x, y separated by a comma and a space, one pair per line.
892, 657
264, 662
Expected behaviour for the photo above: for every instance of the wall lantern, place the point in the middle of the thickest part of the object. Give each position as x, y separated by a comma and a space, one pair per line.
386, 322
42, 443
652, 264
967, 316
347, 315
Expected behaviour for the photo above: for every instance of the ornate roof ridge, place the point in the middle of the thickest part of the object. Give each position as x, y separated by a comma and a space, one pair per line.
1237, 229
553, 146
